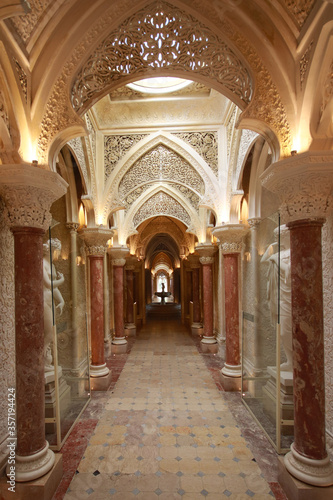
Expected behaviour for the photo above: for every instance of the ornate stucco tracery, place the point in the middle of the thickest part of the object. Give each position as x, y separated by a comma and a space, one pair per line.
161, 36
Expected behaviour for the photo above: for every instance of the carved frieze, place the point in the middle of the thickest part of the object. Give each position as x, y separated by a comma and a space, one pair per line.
25, 25
304, 63
22, 77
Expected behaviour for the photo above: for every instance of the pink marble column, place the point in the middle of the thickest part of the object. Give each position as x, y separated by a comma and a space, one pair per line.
208, 343
28, 192
130, 328
96, 246
118, 254
98, 366
196, 327
304, 184
232, 365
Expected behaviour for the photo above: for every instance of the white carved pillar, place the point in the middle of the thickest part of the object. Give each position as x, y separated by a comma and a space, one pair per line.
206, 252
304, 184
73, 227
230, 236
96, 246
28, 192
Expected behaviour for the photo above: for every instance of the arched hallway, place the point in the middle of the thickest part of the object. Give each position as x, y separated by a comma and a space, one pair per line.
166, 431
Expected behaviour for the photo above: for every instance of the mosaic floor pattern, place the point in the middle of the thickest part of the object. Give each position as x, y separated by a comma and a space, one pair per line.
166, 431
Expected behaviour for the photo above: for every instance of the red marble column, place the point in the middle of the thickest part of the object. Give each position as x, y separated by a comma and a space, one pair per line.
308, 339
304, 184
232, 366
208, 343
130, 328
196, 295
118, 254
29, 336
98, 366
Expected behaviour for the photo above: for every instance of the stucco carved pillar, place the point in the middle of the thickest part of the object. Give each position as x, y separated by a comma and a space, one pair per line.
304, 184
230, 236
130, 327
258, 343
196, 327
118, 255
206, 252
28, 192
96, 246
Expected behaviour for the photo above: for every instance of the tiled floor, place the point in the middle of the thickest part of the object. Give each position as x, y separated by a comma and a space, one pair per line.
166, 431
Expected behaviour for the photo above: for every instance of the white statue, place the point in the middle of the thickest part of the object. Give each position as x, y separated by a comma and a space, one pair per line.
271, 256
58, 301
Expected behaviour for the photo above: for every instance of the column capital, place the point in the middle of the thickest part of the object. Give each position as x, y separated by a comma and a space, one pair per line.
230, 237
254, 222
95, 239
28, 192
131, 262
193, 261
73, 226
206, 252
118, 255
303, 183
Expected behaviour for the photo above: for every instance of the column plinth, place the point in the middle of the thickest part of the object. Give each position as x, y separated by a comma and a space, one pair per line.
208, 342
28, 193
305, 184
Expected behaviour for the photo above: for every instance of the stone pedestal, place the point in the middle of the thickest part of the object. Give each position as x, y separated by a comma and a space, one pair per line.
286, 398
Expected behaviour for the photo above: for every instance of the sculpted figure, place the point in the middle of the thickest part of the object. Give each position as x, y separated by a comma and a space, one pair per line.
271, 256
58, 301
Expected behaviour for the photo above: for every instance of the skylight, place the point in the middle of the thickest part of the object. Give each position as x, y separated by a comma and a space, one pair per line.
159, 85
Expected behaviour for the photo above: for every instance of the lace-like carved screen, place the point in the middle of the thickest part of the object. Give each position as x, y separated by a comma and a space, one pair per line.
160, 36
161, 204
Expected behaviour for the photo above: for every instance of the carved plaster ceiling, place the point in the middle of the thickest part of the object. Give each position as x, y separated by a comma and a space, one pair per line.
161, 204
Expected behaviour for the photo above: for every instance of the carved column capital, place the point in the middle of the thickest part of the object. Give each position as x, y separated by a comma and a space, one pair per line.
254, 222
118, 255
206, 253
73, 226
230, 237
95, 239
28, 192
304, 184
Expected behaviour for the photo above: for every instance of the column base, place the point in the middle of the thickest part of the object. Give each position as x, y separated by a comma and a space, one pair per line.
230, 384
313, 472
209, 344
41, 489
130, 330
232, 370
119, 345
196, 329
99, 370
28, 468
101, 383
297, 490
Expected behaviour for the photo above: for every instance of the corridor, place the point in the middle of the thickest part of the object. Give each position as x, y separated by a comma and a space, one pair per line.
166, 431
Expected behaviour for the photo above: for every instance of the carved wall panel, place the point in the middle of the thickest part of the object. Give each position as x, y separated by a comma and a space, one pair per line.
92, 136
304, 63
76, 146
160, 164
25, 25
161, 204
158, 37
204, 143
247, 137
300, 9
328, 88
115, 148
23, 78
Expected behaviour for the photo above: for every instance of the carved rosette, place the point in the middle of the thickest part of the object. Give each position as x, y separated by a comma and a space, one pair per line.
304, 184
95, 239
28, 192
230, 236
